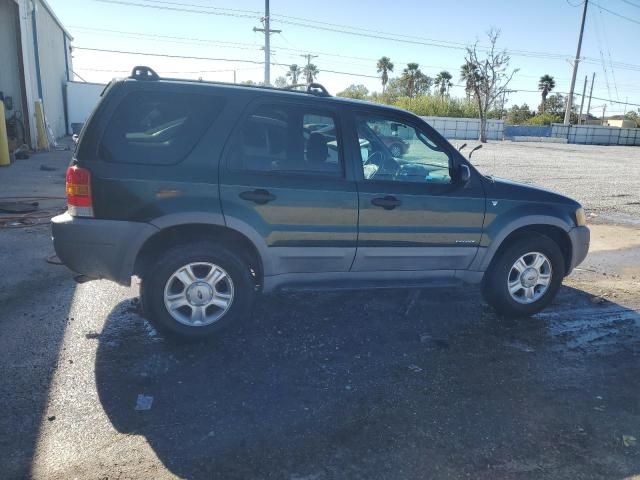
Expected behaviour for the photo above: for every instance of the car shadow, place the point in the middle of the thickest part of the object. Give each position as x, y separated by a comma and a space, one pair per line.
378, 384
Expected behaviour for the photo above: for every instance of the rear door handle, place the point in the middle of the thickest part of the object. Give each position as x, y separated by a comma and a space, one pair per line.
388, 202
258, 196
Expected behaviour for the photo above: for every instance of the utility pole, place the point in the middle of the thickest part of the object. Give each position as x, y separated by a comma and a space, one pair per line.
584, 91
308, 56
593, 79
604, 109
567, 113
267, 42
234, 76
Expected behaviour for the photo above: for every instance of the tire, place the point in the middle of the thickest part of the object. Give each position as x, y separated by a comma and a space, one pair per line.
503, 274
193, 298
396, 150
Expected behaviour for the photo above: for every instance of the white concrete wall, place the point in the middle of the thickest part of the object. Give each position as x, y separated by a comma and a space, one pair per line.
9, 66
82, 98
596, 135
465, 128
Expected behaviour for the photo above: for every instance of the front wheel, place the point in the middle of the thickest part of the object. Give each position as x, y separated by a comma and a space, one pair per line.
526, 276
194, 290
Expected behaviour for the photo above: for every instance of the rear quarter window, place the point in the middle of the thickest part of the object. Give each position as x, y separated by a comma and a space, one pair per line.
157, 128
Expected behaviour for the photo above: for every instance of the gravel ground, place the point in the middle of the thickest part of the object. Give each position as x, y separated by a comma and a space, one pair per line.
605, 180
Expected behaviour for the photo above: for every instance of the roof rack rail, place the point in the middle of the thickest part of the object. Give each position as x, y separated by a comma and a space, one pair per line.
313, 88
144, 73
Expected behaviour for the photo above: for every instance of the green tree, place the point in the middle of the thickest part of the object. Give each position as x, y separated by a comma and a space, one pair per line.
294, 73
554, 104
517, 115
280, 82
413, 82
545, 85
359, 92
385, 65
443, 82
468, 75
310, 72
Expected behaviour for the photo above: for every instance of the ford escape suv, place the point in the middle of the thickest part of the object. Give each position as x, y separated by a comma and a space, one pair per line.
211, 193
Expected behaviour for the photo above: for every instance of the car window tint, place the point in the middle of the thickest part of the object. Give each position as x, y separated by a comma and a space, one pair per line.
157, 128
395, 151
285, 138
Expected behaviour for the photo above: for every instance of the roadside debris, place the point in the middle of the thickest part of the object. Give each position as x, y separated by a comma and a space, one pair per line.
415, 368
144, 402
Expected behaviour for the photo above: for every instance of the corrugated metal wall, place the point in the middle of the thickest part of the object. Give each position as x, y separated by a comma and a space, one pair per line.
53, 71
9, 69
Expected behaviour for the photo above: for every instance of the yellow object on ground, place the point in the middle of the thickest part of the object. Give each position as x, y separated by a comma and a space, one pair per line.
43, 141
4, 141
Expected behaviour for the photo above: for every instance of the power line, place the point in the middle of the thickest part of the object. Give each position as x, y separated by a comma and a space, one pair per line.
631, 3
190, 57
226, 13
616, 14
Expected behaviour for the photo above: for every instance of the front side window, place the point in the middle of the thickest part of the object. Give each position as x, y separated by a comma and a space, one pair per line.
287, 138
157, 128
394, 151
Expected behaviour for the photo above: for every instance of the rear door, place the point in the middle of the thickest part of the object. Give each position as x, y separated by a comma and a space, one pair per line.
414, 213
283, 178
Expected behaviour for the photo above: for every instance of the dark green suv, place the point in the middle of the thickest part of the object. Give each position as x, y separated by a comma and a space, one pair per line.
210, 193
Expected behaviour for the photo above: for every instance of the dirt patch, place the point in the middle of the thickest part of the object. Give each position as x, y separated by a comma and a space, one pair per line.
613, 237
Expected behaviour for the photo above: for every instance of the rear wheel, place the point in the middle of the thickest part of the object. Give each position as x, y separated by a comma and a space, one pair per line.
194, 290
526, 276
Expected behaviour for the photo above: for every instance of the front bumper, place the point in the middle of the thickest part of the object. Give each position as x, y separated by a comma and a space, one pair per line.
99, 248
580, 238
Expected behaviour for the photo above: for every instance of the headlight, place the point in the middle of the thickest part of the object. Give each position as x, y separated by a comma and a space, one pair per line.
581, 218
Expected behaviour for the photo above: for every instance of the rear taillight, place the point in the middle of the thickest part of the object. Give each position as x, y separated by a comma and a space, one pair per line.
79, 198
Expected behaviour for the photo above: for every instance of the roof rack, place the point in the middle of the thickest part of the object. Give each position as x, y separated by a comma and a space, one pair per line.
313, 88
142, 72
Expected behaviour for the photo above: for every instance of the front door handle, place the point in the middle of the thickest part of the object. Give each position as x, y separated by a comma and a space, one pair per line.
388, 202
258, 196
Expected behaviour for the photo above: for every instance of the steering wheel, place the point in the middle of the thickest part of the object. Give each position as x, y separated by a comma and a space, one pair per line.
370, 161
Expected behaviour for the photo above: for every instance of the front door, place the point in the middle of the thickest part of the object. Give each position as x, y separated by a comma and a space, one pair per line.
283, 178
414, 212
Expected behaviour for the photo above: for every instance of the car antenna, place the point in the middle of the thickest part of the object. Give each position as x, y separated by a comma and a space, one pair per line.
474, 149
461, 147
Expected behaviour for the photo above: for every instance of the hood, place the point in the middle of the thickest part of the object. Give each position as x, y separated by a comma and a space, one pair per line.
509, 190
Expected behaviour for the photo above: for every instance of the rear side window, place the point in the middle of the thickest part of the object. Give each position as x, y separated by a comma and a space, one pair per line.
287, 139
157, 128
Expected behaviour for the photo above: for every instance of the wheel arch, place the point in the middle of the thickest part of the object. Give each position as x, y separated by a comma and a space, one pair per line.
186, 232
554, 231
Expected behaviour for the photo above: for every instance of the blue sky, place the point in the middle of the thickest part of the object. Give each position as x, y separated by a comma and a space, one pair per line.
433, 32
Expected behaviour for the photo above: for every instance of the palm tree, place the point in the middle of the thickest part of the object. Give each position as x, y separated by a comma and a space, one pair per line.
310, 72
410, 75
385, 65
469, 76
293, 73
545, 85
443, 82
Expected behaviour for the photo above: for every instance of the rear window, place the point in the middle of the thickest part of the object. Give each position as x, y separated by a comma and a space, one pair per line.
157, 128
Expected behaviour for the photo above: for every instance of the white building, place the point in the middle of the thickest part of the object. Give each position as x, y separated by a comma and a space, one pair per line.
35, 63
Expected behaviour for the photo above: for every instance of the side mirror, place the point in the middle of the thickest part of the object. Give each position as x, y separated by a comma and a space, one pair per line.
464, 174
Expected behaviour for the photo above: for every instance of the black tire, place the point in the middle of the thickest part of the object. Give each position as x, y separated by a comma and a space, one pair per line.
157, 276
495, 289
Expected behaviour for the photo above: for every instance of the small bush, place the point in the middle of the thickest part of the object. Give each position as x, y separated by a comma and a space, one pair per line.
544, 119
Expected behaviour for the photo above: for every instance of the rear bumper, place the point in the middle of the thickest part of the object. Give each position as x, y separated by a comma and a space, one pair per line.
99, 248
580, 238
